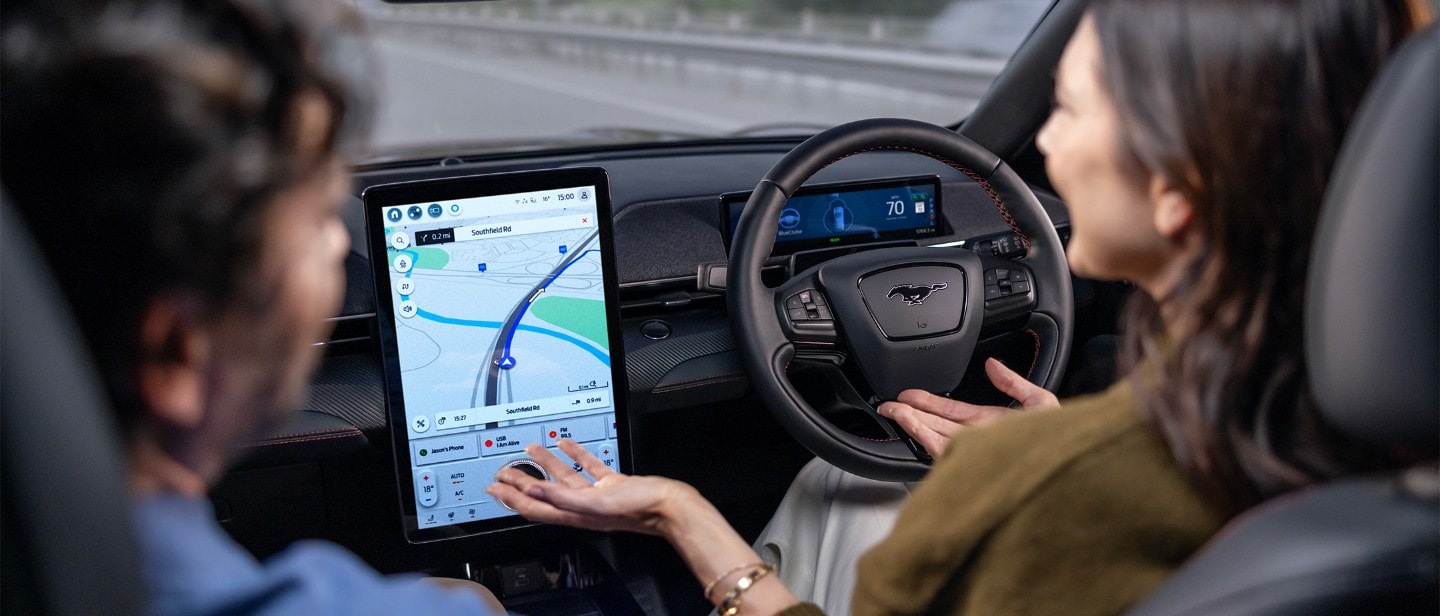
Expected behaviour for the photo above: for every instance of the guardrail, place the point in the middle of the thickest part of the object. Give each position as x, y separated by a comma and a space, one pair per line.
939, 73
876, 30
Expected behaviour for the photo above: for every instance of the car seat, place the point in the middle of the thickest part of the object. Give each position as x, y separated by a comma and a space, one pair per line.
66, 543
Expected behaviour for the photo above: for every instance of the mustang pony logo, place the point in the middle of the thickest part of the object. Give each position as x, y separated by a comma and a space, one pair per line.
915, 294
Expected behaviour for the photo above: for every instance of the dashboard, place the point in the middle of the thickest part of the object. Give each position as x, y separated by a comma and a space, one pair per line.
690, 409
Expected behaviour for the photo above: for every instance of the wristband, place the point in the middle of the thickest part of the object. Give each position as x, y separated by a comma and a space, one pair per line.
730, 605
711, 586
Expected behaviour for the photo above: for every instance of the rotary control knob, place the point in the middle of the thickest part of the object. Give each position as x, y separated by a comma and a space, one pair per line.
529, 467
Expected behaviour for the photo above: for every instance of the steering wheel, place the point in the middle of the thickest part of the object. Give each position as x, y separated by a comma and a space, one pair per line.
909, 317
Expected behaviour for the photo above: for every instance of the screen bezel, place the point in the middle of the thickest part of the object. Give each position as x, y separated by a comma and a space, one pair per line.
735, 201
376, 199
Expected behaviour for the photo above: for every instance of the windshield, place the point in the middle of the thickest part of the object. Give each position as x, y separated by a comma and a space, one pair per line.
520, 74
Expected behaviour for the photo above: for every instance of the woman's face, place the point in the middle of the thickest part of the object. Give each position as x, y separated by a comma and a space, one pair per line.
1113, 233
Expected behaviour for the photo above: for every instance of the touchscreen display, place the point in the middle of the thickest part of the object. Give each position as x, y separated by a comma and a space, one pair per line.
848, 213
502, 333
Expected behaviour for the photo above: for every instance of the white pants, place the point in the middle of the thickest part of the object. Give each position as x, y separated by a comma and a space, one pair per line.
826, 521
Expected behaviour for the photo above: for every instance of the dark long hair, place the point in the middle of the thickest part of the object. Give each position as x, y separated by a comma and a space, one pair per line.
1241, 106
144, 142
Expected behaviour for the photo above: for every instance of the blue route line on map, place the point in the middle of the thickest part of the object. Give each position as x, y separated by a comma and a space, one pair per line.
598, 353
510, 335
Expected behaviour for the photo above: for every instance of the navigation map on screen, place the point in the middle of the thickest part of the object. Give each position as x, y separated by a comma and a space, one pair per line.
500, 325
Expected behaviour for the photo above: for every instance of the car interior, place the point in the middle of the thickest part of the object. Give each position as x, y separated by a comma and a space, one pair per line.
707, 401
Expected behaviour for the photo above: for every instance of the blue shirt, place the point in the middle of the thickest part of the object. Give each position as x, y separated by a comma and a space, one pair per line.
194, 569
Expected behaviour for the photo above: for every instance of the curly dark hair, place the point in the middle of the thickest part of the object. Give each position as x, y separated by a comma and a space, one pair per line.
144, 141
1241, 105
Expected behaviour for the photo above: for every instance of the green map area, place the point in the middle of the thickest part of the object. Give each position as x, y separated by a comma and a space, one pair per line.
585, 317
425, 257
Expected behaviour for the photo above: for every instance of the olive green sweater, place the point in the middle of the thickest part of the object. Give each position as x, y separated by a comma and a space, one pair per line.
1072, 511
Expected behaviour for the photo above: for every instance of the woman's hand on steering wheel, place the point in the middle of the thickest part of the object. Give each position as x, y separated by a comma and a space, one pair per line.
869, 306
931, 419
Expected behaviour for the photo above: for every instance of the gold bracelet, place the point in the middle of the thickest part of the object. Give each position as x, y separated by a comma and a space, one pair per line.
731, 604
711, 586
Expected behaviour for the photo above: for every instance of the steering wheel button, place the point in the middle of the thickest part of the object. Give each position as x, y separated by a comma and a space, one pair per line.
992, 293
798, 314
805, 297
794, 302
823, 313
1017, 276
1020, 287
1007, 246
990, 278
1002, 274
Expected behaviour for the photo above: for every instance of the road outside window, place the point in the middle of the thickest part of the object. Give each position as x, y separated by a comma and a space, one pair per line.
523, 74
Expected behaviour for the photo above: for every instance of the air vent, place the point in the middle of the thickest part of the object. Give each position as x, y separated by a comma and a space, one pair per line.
662, 296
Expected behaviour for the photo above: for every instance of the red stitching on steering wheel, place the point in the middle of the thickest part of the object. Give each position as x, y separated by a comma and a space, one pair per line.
876, 440
1036, 359
985, 184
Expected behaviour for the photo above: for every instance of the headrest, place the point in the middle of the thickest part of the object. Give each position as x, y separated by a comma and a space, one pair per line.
1372, 315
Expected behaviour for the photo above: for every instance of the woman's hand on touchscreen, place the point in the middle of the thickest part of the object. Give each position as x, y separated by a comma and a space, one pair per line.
932, 419
613, 501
